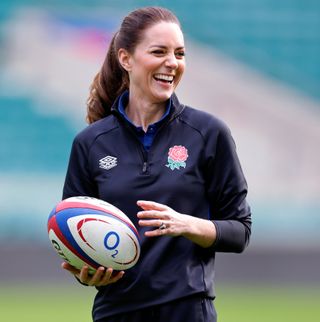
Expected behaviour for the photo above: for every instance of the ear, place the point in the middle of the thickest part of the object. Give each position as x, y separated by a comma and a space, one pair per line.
124, 59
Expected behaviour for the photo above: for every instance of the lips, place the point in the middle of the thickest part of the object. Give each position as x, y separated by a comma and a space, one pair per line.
164, 78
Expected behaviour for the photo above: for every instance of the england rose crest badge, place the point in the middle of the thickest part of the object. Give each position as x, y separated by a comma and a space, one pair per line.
177, 157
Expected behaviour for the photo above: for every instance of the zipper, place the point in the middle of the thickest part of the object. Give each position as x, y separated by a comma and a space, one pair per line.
144, 153
144, 156
145, 167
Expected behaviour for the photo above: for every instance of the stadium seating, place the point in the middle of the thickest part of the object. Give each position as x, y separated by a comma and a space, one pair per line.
31, 142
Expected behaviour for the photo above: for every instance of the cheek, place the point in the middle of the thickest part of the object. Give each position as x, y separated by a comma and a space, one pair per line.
180, 72
182, 67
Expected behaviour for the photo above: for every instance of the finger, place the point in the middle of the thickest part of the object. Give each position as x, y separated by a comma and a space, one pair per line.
150, 223
84, 274
157, 232
151, 205
116, 277
96, 278
106, 277
68, 267
150, 214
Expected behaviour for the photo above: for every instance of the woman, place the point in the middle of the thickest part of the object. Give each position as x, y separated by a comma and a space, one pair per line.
172, 169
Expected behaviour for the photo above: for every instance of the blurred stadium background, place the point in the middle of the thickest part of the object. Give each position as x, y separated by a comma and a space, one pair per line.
255, 64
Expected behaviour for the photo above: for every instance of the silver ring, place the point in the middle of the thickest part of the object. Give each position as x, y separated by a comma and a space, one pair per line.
162, 226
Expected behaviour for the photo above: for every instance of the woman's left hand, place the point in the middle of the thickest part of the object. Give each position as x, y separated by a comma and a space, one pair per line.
169, 222
163, 218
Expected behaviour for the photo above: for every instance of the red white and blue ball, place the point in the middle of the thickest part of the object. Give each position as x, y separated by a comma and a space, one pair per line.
92, 232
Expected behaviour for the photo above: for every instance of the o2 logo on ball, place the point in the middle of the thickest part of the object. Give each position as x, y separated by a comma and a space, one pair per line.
111, 242
107, 244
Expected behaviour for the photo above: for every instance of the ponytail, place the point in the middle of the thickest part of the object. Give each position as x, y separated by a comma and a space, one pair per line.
110, 81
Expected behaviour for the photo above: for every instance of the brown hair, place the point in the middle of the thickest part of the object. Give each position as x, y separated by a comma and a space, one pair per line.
112, 79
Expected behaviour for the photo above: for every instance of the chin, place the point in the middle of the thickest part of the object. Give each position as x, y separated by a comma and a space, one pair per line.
162, 97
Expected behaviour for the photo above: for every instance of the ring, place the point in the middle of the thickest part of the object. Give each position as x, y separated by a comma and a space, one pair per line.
162, 226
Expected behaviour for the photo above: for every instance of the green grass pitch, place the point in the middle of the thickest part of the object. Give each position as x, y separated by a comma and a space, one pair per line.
73, 302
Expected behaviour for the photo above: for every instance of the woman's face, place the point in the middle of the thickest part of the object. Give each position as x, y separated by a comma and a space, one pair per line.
157, 63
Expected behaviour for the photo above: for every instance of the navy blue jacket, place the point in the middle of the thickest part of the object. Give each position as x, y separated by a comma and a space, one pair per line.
109, 162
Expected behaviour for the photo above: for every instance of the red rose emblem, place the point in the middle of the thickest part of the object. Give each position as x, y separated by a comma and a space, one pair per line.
178, 153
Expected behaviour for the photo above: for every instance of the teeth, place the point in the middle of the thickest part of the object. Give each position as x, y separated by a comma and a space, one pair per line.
168, 78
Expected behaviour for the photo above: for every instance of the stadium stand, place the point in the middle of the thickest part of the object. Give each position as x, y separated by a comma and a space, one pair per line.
31, 142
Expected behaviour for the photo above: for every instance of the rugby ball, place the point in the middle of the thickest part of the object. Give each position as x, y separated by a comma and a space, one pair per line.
92, 232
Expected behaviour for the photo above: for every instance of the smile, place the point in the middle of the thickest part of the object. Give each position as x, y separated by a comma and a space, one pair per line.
164, 78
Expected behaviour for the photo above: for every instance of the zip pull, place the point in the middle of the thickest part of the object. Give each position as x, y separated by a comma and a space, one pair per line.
144, 167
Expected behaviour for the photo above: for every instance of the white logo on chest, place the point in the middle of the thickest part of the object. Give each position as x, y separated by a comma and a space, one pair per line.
108, 162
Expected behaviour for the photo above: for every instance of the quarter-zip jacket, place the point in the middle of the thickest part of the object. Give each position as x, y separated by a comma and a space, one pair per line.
208, 184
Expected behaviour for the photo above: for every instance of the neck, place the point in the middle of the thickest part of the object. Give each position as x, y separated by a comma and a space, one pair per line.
144, 113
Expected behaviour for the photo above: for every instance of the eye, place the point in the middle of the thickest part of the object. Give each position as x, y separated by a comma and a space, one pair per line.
158, 52
180, 54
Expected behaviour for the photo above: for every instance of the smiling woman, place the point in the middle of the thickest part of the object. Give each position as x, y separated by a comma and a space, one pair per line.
175, 174
148, 37
155, 69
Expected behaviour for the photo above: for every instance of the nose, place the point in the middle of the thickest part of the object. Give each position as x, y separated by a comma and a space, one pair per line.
171, 61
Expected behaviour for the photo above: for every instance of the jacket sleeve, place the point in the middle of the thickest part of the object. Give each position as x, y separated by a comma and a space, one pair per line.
78, 181
227, 191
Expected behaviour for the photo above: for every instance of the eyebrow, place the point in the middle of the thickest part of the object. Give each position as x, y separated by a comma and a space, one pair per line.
164, 47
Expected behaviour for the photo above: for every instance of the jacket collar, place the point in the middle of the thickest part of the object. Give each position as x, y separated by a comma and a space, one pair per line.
175, 110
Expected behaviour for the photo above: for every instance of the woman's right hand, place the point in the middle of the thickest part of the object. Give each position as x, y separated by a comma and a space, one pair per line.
102, 277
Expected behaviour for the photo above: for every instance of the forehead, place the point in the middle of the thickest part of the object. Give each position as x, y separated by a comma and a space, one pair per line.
163, 34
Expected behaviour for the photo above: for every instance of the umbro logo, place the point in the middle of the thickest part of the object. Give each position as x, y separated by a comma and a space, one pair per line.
108, 162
